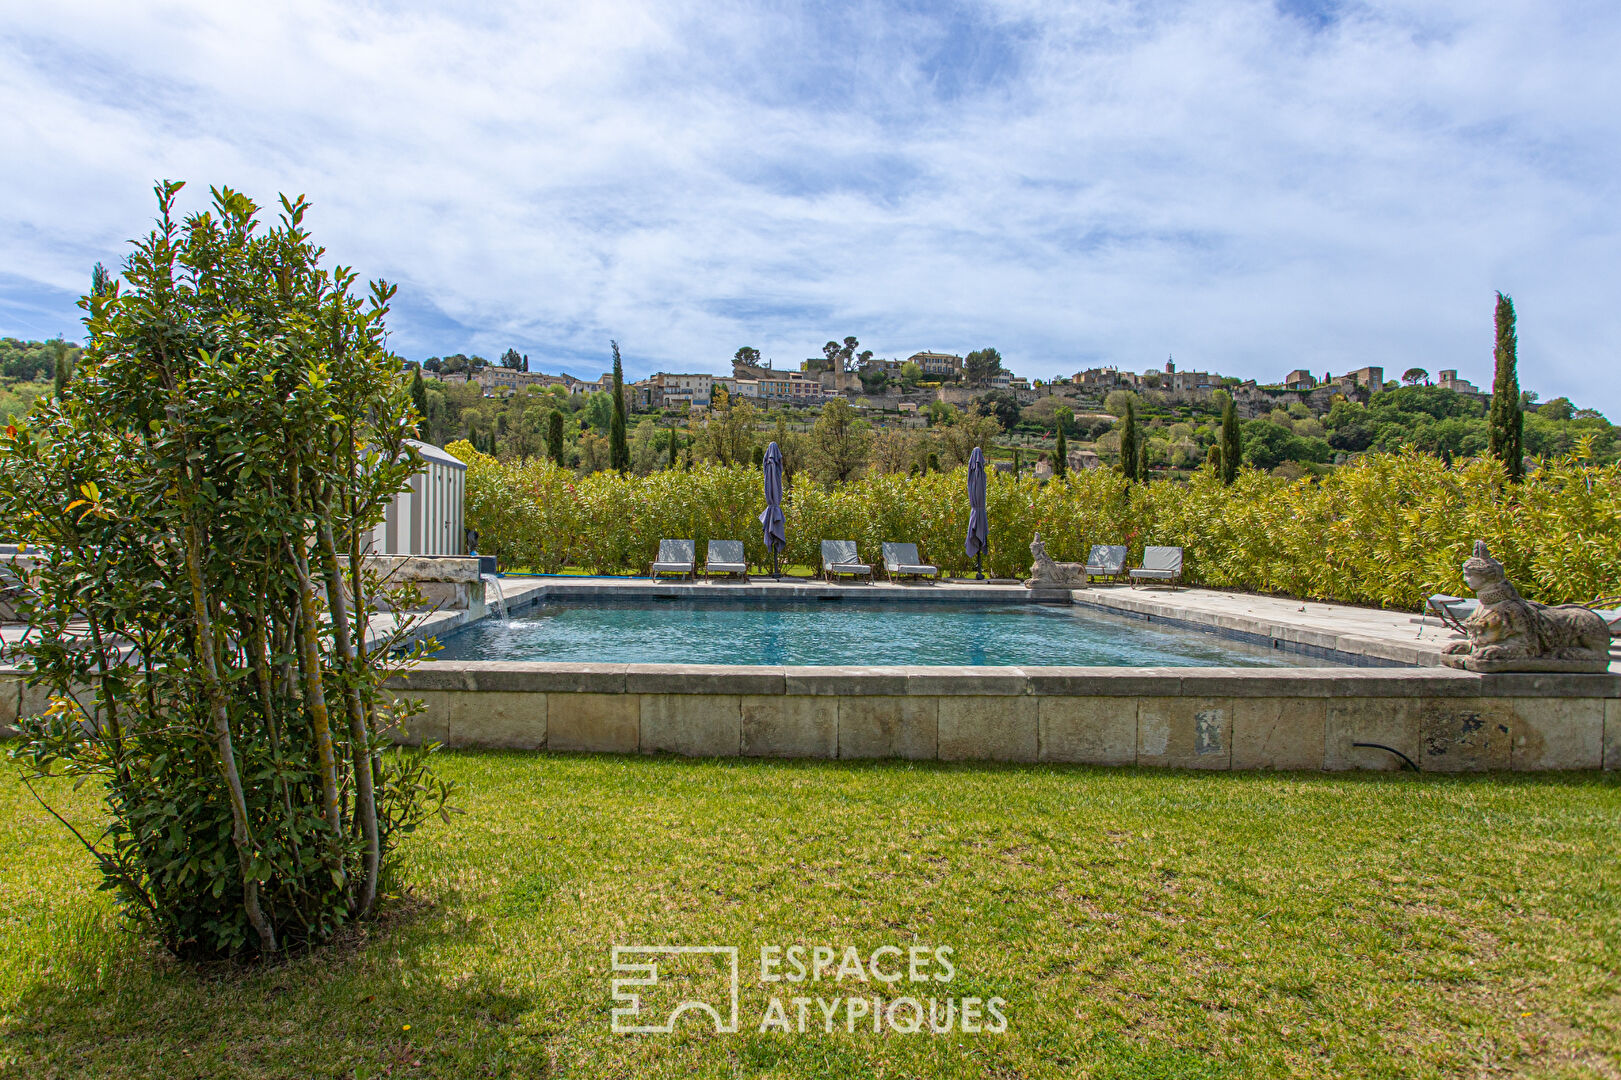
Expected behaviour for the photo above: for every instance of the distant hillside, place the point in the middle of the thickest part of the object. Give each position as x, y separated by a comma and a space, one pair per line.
29, 361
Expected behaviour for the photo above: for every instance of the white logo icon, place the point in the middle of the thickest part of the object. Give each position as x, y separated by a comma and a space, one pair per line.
646, 974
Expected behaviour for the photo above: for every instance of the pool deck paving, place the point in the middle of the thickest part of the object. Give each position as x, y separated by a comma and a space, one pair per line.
1392, 636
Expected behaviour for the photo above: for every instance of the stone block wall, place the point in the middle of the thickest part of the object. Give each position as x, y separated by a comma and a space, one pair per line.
1316, 718
1303, 718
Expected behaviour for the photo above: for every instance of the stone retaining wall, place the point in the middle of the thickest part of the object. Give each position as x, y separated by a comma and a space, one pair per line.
1213, 718
1202, 718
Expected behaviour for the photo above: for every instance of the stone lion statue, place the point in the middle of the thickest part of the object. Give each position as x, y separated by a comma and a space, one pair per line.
1047, 574
1509, 633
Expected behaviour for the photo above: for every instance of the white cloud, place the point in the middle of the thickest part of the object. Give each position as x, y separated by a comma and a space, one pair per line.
1250, 189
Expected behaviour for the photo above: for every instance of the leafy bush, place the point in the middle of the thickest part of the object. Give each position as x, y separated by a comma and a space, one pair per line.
1386, 530
197, 501
16, 397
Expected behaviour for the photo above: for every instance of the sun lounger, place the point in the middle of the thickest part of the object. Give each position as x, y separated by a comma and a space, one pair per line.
1608, 608
11, 592
726, 557
901, 560
675, 557
839, 557
1452, 610
1106, 561
1160, 564
15, 572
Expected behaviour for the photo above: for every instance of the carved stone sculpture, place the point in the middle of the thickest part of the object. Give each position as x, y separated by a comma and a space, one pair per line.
1047, 574
1509, 633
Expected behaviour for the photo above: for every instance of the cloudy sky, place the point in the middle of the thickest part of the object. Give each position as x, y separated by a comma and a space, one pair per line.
1248, 185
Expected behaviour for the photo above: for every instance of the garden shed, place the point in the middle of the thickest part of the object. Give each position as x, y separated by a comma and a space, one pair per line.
427, 518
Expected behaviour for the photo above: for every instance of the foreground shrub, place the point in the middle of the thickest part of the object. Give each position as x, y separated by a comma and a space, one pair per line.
1386, 530
231, 435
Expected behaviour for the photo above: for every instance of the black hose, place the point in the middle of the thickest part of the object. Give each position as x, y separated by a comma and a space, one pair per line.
1389, 750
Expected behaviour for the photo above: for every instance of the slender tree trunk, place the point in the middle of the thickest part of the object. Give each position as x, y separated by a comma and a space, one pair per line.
359, 743
115, 727
259, 642
362, 614
314, 689
222, 738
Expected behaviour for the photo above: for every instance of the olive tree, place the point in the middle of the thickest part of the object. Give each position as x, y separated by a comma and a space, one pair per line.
199, 503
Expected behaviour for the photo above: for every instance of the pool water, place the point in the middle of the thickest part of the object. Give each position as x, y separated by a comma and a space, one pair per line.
847, 633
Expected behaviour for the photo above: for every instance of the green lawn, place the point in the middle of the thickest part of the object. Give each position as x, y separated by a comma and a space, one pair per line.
1137, 924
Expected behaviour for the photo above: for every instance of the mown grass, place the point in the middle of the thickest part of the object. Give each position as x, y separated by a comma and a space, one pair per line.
1138, 923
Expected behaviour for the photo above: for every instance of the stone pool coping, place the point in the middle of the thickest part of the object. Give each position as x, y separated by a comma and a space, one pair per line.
525, 677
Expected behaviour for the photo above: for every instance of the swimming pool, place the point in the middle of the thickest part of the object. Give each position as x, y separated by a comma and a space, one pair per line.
846, 633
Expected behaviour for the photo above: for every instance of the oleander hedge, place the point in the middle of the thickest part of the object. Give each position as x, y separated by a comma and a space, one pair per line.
1386, 530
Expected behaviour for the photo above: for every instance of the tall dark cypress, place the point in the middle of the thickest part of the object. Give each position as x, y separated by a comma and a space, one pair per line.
1505, 432
672, 442
618, 448
1060, 453
554, 436
1128, 442
419, 400
101, 282
1231, 451
64, 367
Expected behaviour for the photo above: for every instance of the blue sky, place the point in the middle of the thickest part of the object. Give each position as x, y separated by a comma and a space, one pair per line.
1251, 187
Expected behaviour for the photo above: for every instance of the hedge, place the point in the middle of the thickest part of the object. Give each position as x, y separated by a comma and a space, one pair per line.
1385, 530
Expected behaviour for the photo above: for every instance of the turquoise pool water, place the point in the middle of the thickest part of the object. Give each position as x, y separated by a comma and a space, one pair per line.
816, 634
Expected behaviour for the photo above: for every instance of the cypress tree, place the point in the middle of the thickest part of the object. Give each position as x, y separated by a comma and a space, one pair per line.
64, 367
1015, 463
554, 436
618, 448
419, 399
101, 282
1506, 424
1231, 451
673, 442
1128, 442
1060, 453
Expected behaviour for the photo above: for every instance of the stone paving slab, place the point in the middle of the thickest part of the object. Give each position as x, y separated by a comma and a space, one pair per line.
1280, 621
